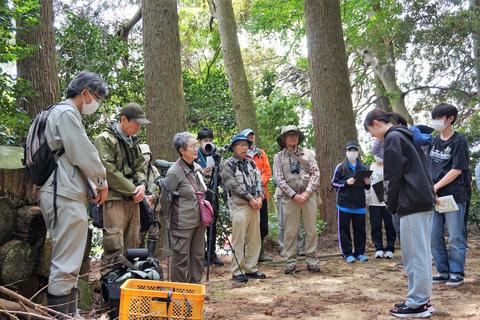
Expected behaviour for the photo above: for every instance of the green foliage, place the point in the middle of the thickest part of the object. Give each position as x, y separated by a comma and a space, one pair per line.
209, 104
84, 45
14, 16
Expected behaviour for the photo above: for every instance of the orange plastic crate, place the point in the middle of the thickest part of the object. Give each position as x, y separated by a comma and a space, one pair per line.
149, 299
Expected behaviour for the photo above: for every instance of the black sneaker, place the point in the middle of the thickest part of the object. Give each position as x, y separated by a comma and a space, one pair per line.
256, 275
454, 281
428, 304
406, 312
240, 278
440, 279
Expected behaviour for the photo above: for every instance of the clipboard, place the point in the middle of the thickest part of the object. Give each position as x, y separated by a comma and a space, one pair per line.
360, 175
379, 190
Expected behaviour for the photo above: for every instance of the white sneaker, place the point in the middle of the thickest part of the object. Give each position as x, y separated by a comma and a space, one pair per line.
388, 255
379, 254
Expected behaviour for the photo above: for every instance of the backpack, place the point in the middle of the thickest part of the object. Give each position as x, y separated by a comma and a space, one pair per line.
39, 159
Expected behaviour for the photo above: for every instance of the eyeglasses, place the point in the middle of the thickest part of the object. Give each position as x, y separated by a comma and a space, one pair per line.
96, 96
193, 146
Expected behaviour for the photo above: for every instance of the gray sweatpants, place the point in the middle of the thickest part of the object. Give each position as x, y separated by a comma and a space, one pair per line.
417, 257
69, 237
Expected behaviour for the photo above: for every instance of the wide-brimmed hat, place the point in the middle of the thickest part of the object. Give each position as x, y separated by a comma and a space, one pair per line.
135, 112
247, 131
239, 137
285, 131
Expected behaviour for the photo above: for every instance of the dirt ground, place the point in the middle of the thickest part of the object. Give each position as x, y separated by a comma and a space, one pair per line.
340, 291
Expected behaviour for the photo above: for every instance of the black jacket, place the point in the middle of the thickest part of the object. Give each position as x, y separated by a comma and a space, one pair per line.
408, 183
349, 196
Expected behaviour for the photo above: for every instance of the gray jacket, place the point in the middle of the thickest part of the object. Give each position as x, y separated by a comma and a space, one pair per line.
80, 160
184, 211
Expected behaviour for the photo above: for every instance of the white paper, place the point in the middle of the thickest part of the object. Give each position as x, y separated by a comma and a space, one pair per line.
210, 162
446, 204
92, 188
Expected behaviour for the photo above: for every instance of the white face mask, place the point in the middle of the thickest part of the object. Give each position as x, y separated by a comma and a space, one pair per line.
378, 159
438, 125
352, 155
89, 108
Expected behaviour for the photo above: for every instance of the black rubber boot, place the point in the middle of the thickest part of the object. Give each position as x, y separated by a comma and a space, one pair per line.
72, 309
60, 304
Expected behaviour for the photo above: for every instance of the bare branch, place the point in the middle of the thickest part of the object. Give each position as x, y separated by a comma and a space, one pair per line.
125, 27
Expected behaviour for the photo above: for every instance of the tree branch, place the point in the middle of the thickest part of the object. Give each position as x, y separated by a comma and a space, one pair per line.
125, 27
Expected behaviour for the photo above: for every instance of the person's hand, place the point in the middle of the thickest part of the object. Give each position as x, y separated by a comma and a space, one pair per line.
139, 193
207, 171
102, 195
366, 180
259, 202
305, 195
253, 204
298, 199
150, 201
350, 181
435, 189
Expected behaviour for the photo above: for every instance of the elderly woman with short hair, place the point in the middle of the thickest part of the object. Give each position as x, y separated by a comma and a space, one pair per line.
187, 233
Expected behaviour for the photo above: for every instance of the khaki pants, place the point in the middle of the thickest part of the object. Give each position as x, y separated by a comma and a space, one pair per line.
292, 213
245, 238
121, 228
188, 246
69, 237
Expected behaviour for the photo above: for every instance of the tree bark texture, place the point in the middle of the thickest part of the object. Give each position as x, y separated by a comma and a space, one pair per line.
7, 218
17, 261
382, 101
15, 185
237, 79
332, 109
386, 74
39, 68
164, 98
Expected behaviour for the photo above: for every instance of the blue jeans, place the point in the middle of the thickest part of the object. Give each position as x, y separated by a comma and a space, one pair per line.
450, 261
415, 240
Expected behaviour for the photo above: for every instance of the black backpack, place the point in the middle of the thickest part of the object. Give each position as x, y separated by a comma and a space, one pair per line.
39, 159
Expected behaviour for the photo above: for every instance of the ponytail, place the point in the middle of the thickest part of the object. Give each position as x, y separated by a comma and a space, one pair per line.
382, 116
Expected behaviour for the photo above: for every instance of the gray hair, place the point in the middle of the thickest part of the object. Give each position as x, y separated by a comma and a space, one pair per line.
87, 80
180, 140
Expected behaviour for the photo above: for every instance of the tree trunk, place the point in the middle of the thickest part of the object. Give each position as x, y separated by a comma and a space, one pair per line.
382, 101
31, 226
8, 219
17, 260
164, 99
40, 68
237, 79
16, 186
475, 7
332, 110
386, 74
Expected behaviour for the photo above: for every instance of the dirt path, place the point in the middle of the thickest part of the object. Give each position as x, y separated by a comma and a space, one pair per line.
340, 291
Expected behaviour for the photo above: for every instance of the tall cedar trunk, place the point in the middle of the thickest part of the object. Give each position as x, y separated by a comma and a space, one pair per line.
332, 110
40, 68
475, 7
232, 57
164, 99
